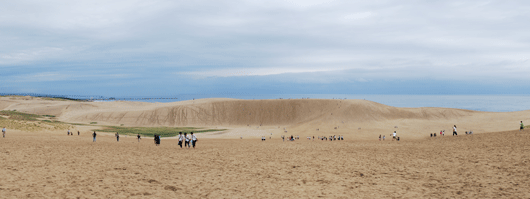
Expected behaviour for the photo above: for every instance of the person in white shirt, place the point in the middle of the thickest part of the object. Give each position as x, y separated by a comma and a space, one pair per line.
4, 132
394, 136
68, 131
454, 131
181, 138
187, 141
193, 140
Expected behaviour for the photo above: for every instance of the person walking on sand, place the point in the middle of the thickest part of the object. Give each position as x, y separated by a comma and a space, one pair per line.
139, 137
394, 136
68, 132
193, 140
94, 136
187, 140
4, 132
157, 140
454, 131
522, 126
77, 133
117, 137
181, 138
379, 137
384, 136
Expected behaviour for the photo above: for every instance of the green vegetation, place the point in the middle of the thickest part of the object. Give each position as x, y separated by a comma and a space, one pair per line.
14, 115
48, 115
93, 123
151, 131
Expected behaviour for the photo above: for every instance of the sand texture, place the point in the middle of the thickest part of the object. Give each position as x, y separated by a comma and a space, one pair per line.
355, 119
44, 165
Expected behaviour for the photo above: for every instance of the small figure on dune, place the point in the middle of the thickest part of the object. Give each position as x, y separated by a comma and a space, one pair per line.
68, 132
157, 140
94, 136
384, 136
186, 140
139, 137
78, 133
394, 136
193, 140
181, 138
117, 137
454, 131
4, 132
379, 137
522, 126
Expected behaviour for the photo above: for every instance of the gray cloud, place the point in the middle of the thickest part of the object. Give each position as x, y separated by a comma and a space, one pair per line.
361, 40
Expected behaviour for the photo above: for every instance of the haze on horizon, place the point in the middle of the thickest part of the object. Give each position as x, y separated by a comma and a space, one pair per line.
164, 48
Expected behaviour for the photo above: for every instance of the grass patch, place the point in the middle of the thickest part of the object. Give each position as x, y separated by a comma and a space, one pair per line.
93, 123
14, 115
48, 115
151, 131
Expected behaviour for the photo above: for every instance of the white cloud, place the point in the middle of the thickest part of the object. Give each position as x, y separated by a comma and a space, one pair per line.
248, 38
357, 16
255, 71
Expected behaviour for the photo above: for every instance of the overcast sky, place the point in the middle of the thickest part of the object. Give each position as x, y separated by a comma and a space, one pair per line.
157, 47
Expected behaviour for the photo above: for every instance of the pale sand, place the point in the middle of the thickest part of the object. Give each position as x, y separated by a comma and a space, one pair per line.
52, 165
354, 119
44, 165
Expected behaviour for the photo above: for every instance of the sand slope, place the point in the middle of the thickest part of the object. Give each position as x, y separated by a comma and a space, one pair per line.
359, 119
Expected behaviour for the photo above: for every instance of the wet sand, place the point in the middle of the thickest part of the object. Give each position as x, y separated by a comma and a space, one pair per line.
46, 165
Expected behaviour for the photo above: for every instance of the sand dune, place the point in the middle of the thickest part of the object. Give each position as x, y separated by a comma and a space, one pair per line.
49, 164
359, 119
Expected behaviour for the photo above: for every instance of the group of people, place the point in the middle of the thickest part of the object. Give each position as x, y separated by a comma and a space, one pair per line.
331, 138
72, 133
189, 140
291, 138
394, 136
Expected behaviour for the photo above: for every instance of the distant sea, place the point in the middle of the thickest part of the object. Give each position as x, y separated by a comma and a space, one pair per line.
490, 103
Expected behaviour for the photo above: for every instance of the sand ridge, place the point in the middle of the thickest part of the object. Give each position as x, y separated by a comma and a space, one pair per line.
357, 119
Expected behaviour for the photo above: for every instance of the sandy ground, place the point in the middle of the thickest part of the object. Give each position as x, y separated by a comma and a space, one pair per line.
354, 119
48, 165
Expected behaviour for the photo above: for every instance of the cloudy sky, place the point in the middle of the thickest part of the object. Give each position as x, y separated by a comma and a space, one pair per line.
165, 48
